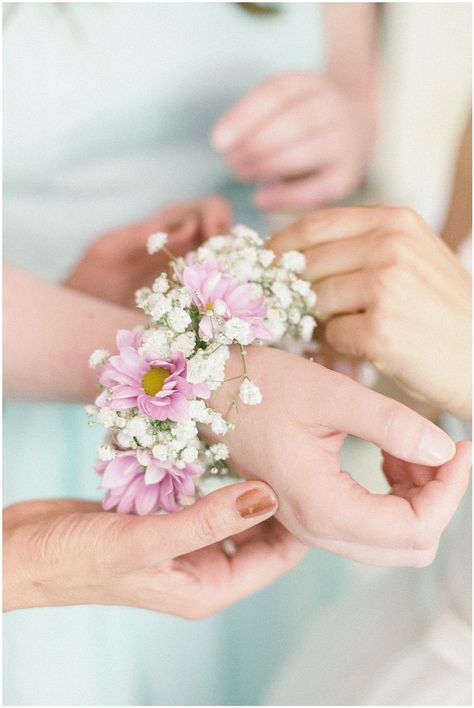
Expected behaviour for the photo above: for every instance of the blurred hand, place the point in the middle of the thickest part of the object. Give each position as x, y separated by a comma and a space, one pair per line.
301, 136
389, 290
116, 264
293, 440
68, 552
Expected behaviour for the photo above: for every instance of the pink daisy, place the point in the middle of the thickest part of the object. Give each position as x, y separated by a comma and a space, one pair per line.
137, 483
219, 296
156, 386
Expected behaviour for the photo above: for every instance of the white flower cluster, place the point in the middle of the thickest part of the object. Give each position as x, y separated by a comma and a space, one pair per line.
288, 297
196, 332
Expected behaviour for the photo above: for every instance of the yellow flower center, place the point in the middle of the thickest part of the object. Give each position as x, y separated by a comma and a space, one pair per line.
153, 381
209, 307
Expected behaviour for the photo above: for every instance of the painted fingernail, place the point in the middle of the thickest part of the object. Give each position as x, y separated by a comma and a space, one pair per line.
255, 502
436, 446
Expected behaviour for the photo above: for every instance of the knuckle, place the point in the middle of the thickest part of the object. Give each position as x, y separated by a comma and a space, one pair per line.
205, 525
385, 280
405, 218
378, 339
393, 247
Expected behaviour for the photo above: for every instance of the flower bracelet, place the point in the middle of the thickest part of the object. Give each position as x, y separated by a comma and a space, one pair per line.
154, 392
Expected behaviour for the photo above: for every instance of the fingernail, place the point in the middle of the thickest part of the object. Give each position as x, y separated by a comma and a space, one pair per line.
255, 502
222, 138
367, 374
436, 446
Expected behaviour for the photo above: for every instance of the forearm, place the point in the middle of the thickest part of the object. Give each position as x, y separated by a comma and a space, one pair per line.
350, 29
50, 333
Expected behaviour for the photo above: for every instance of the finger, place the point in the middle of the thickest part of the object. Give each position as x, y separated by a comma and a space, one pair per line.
377, 555
217, 516
390, 425
343, 256
252, 111
316, 152
348, 293
216, 215
298, 123
406, 477
344, 333
334, 224
47, 507
258, 561
308, 192
388, 521
438, 500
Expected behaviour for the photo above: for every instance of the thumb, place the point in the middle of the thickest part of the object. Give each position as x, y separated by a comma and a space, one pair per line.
224, 513
357, 410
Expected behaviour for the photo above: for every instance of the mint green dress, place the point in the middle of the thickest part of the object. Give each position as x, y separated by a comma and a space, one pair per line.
107, 111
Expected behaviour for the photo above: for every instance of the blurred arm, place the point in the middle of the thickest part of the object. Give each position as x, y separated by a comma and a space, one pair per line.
51, 331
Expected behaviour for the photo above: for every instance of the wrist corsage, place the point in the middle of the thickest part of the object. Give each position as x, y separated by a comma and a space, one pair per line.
155, 391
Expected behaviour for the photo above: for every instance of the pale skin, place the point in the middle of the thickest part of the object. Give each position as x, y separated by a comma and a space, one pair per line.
116, 263
317, 502
391, 292
304, 137
61, 552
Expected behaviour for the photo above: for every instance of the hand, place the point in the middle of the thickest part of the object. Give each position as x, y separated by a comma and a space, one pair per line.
116, 264
293, 440
302, 136
68, 552
389, 290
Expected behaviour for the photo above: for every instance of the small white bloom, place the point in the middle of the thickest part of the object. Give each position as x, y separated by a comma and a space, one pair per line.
186, 500
218, 424
141, 296
257, 290
294, 261
199, 411
311, 299
184, 343
219, 451
186, 430
283, 294
160, 451
155, 342
91, 409
146, 439
306, 327
302, 287
198, 368
136, 426
250, 393
98, 357
276, 322
238, 330
217, 243
189, 455
156, 242
266, 257
158, 305
105, 452
178, 319
219, 308
243, 232
107, 417
125, 440
182, 297
294, 315
161, 284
